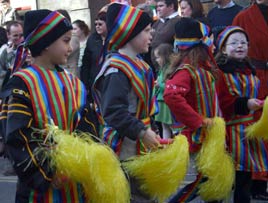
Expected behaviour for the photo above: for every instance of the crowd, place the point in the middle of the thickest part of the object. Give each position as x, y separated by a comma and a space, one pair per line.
143, 75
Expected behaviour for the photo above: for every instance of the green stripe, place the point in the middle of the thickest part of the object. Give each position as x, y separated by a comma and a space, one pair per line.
35, 97
70, 99
47, 28
129, 26
51, 89
240, 120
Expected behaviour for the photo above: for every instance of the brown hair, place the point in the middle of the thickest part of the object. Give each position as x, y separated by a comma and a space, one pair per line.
83, 26
197, 8
195, 55
164, 50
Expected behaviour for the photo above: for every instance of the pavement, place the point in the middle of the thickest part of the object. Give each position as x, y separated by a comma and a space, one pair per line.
7, 183
8, 186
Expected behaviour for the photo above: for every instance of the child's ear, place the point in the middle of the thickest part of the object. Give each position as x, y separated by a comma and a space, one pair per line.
224, 50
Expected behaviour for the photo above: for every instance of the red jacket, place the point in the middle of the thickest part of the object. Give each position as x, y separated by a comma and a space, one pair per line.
253, 22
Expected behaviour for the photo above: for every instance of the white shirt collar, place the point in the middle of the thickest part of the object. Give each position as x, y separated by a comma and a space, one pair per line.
230, 4
173, 15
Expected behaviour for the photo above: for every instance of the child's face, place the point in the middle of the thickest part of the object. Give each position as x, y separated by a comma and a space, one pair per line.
59, 50
236, 46
140, 43
158, 58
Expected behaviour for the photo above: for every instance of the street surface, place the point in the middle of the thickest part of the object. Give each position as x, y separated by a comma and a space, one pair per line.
8, 186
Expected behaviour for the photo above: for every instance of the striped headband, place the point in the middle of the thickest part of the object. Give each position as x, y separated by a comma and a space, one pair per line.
223, 36
186, 43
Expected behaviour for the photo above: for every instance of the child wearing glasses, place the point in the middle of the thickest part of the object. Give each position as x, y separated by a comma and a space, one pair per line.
238, 89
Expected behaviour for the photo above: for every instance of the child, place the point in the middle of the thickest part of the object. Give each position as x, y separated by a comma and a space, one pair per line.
238, 88
41, 94
190, 90
162, 54
123, 88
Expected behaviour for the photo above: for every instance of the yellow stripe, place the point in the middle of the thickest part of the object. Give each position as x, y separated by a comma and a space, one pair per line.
92, 125
32, 156
30, 123
3, 117
19, 111
20, 105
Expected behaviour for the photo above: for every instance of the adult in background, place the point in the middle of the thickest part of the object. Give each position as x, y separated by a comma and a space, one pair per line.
222, 15
90, 63
193, 9
7, 13
8, 53
95, 42
81, 30
254, 20
3, 37
164, 28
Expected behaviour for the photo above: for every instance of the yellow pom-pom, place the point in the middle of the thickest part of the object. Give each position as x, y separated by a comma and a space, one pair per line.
161, 172
259, 129
216, 164
92, 164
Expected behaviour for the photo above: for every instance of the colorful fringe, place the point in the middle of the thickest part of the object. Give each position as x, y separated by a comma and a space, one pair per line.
259, 129
161, 172
214, 163
189, 192
92, 164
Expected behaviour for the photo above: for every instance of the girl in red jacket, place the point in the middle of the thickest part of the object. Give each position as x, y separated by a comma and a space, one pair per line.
190, 90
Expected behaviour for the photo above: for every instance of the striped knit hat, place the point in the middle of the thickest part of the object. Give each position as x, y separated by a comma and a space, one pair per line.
223, 36
124, 23
41, 28
190, 33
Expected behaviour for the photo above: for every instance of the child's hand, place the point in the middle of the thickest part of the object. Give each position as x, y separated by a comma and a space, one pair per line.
156, 84
255, 104
207, 122
58, 181
150, 139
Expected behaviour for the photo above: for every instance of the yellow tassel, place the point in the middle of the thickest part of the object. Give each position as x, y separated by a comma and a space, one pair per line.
216, 164
92, 164
259, 129
161, 172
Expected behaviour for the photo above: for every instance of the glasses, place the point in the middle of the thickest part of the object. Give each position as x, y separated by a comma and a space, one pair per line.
98, 24
236, 44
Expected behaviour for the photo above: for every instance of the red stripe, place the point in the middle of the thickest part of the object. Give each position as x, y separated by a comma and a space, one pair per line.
72, 193
61, 109
191, 189
38, 98
126, 72
63, 195
72, 100
125, 25
133, 25
45, 82
48, 22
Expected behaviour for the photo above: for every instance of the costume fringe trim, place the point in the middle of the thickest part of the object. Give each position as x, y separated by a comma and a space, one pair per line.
92, 164
259, 129
161, 172
216, 164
